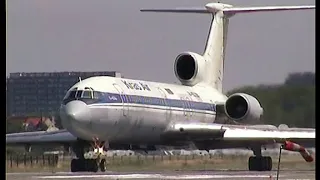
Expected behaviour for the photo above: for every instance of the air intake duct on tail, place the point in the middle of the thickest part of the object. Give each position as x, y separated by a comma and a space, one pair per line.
189, 68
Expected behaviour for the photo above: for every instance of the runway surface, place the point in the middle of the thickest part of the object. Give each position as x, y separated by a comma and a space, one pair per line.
161, 175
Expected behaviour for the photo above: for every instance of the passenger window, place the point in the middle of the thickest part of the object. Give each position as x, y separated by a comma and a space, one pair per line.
128, 99
168, 91
135, 99
191, 105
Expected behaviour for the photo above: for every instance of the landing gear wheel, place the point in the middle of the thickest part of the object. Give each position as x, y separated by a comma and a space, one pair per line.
77, 165
91, 165
260, 163
94, 165
268, 163
252, 163
102, 165
73, 165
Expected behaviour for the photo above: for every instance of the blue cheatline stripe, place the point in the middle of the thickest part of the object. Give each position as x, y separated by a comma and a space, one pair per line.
145, 100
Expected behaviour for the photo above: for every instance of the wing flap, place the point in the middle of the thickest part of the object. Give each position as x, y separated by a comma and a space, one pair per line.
193, 131
255, 134
223, 132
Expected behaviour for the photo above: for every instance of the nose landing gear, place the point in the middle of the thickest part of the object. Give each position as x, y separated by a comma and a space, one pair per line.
92, 160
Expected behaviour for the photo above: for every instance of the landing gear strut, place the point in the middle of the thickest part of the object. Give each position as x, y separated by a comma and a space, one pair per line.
259, 162
91, 161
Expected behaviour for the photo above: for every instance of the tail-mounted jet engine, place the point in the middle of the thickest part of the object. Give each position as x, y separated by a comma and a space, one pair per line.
189, 68
243, 108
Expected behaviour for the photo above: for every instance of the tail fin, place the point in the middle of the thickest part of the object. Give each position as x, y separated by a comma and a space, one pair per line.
216, 43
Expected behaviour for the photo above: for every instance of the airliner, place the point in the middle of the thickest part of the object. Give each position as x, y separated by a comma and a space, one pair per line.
101, 113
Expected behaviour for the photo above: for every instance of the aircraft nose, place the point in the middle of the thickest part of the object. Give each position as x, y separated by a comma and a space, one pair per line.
78, 111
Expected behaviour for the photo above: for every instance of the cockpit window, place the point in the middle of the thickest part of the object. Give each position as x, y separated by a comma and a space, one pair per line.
97, 95
87, 95
72, 94
79, 94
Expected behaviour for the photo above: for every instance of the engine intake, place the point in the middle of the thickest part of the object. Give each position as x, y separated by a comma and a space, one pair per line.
189, 67
243, 108
186, 67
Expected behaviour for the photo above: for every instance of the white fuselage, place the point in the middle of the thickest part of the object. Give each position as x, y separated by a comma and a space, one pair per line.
138, 111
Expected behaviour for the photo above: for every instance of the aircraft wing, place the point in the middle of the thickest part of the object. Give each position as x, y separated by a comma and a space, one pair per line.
39, 137
233, 136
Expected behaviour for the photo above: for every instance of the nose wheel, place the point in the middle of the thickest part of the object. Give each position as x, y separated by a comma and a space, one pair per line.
90, 161
102, 165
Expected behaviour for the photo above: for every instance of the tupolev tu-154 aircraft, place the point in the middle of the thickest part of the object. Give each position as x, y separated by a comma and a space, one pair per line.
101, 113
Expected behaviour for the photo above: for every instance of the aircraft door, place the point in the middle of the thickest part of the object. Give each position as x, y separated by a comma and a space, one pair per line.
168, 108
213, 108
212, 105
188, 106
184, 105
124, 99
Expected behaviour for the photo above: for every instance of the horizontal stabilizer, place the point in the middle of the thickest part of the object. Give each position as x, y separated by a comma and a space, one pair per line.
178, 10
266, 8
228, 9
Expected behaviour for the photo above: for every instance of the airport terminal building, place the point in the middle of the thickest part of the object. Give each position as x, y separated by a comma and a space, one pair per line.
40, 93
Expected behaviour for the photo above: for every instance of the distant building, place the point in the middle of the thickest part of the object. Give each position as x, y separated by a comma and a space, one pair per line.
40, 93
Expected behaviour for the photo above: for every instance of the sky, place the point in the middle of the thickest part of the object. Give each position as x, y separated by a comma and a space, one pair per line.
113, 35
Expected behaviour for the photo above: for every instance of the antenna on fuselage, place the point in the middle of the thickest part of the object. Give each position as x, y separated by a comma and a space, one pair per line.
79, 79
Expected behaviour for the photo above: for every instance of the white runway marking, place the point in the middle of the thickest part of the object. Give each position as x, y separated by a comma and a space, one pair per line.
153, 176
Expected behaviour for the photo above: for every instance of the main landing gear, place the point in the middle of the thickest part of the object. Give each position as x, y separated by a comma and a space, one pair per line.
264, 163
91, 161
259, 162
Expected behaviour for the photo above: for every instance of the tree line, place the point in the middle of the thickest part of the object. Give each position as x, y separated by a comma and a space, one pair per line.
291, 103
